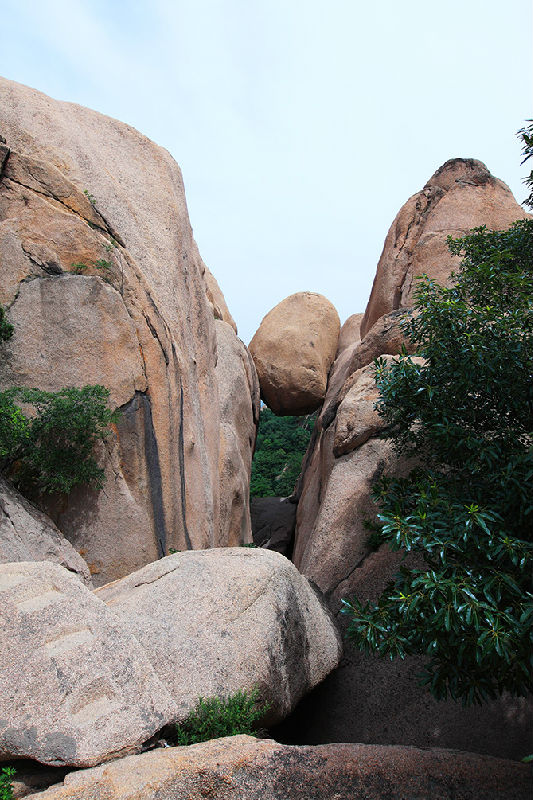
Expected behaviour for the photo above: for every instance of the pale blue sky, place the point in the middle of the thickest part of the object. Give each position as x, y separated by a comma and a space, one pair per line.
300, 127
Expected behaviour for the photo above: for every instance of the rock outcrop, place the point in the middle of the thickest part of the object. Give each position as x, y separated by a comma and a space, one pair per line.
369, 699
461, 195
293, 349
76, 687
220, 620
243, 768
103, 282
26, 534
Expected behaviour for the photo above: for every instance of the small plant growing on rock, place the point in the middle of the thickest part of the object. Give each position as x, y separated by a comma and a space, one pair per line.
6, 329
214, 718
6, 787
78, 267
91, 198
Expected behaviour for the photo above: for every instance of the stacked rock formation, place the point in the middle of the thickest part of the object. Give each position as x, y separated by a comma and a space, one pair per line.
346, 456
104, 284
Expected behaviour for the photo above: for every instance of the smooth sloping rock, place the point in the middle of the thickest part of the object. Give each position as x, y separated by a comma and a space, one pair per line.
293, 349
239, 414
243, 768
461, 195
350, 332
75, 687
26, 534
104, 283
216, 621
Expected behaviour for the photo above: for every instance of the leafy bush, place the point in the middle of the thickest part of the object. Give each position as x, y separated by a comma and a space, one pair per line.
51, 450
214, 718
467, 414
280, 446
6, 789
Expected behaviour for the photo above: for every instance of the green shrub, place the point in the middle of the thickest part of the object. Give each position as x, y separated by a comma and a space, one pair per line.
214, 718
467, 511
51, 450
6, 788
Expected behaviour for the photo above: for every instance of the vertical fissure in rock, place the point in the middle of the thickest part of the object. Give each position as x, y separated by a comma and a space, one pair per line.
182, 474
153, 468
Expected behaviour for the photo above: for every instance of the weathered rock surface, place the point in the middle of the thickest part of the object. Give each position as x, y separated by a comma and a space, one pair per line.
243, 768
273, 523
386, 337
461, 195
293, 349
334, 545
220, 620
238, 390
75, 687
26, 534
350, 332
103, 282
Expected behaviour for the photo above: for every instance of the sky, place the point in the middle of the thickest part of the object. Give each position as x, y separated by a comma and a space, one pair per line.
301, 127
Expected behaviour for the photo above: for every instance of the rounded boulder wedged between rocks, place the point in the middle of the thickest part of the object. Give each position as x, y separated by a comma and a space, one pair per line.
293, 349
213, 622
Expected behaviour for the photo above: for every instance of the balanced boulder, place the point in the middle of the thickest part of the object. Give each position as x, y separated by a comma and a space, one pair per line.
293, 350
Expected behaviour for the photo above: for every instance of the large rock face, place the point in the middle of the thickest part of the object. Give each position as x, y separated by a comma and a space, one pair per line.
217, 621
238, 390
293, 350
75, 687
461, 195
104, 284
26, 534
368, 699
243, 768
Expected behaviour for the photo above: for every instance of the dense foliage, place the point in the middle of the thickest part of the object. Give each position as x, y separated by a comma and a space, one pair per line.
280, 446
50, 448
213, 718
465, 514
6, 787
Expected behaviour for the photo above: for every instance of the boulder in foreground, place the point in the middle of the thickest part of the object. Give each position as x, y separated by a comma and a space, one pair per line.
216, 621
75, 688
244, 768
